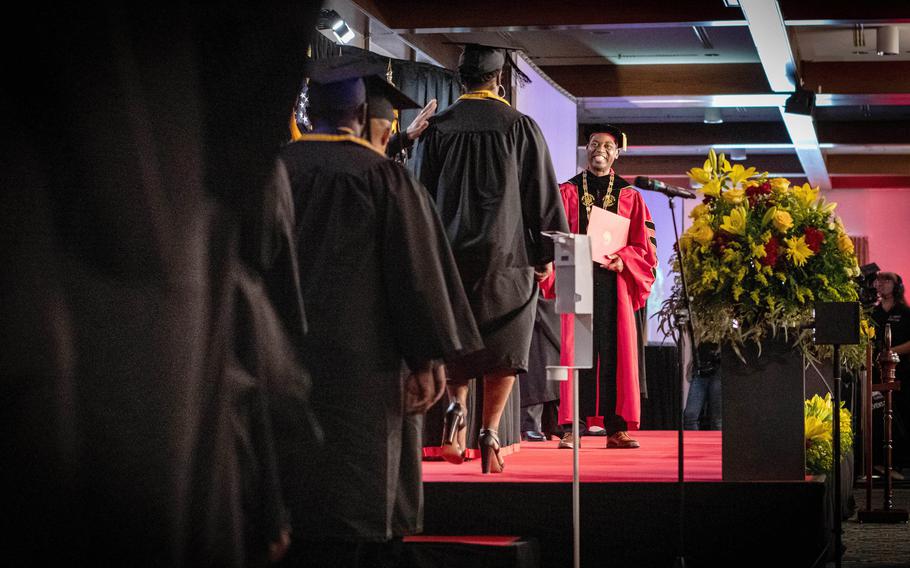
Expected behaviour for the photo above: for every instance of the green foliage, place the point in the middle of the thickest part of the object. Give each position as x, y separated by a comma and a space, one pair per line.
758, 255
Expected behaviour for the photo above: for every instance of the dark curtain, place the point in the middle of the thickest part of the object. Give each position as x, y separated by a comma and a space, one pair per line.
322, 47
420, 81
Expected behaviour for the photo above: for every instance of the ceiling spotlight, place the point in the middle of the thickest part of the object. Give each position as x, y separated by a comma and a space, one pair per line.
331, 20
738, 154
712, 116
888, 40
802, 101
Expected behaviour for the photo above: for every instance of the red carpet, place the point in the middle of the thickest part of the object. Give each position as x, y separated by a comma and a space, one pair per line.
543, 462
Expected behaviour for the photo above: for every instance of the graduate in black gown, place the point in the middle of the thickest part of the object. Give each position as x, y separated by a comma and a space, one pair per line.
488, 169
137, 349
383, 100
384, 308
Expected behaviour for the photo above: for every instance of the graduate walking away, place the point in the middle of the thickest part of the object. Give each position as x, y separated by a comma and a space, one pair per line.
488, 168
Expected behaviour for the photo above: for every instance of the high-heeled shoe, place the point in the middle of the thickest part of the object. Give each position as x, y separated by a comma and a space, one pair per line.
454, 423
489, 447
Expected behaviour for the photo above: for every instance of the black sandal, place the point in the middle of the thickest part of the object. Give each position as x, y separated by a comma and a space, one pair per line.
490, 446
454, 423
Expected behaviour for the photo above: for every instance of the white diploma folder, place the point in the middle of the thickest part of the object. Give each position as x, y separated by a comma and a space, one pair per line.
609, 232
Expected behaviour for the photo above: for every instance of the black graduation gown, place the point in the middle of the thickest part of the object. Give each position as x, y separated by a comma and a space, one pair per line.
535, 387
488, 169
380, 288
131, 430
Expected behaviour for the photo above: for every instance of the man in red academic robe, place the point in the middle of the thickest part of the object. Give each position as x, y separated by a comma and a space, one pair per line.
609, 393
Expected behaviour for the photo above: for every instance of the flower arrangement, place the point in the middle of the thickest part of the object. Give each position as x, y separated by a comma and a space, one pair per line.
819, 434
758, 254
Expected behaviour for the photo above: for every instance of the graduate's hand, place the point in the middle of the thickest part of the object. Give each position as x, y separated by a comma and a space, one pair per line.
542, 272
278, 548
424, 387
422, 121
615, 263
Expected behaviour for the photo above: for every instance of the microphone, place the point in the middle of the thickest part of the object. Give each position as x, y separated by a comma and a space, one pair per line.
651, 184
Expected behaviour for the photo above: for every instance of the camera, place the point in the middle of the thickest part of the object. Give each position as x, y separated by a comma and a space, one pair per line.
868, 295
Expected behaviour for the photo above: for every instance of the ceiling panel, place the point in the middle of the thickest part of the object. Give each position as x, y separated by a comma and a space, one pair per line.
654, 67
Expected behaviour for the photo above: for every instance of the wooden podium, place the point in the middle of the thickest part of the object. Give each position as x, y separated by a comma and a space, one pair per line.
888, 360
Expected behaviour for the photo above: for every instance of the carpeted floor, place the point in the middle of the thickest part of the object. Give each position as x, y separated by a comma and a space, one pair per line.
877, 545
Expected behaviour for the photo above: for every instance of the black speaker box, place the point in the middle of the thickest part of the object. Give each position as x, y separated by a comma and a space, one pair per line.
837, 323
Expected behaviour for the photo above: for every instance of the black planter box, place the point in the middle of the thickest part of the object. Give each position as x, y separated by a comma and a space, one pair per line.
763, 414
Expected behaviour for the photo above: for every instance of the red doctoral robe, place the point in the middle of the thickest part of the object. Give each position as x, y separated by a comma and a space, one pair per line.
633, 286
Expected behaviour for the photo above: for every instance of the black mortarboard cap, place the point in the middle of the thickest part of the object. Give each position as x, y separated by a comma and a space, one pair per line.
477, 59
383, 98
618, 135
337, 82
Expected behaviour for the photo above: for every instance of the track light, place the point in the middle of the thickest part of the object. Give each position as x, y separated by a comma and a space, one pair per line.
888, 40
331, 20
713, 116
738, 154
802, 101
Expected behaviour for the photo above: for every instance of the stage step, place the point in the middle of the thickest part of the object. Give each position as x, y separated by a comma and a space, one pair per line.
481, 551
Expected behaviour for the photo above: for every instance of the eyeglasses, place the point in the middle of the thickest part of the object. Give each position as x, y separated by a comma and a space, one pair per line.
608, 146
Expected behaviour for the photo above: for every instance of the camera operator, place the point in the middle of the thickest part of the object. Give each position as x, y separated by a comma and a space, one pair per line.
892, 309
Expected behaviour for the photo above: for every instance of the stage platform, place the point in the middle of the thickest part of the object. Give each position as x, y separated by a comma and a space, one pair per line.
630, 505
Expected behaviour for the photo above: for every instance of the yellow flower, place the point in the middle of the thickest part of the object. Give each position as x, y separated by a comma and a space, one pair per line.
826, 208
724, 164
701, 232
780, 184
758, 251
734, 196
805, 195
739, 174
711, 188
698, 211
782, 220
797, 250
816, 429
845, 244
735, 222
700, 175
866, 329
754, 295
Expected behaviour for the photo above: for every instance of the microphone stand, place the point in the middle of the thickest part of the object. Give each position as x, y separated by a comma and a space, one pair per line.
683, 323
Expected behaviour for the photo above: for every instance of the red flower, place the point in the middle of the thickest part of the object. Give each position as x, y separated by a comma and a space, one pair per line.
761, 189
770, 258
753, 193
814, 238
